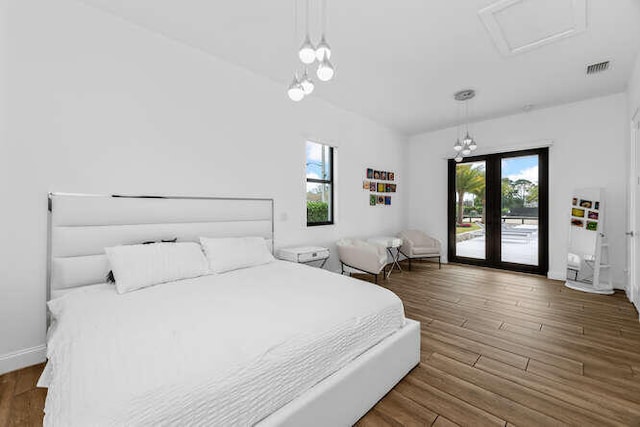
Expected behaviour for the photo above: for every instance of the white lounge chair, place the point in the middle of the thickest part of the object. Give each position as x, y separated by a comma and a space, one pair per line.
363, 256
419, 245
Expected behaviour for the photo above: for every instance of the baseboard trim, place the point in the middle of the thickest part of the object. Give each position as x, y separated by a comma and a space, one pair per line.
555, 275
22, 358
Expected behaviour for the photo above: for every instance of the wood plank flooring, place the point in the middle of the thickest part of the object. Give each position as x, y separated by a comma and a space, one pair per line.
21, 403
506, 349
498, 349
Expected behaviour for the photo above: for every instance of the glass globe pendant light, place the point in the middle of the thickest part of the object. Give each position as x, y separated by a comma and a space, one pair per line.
473, 145
307, 52
466, 142
295, 91
457, 146
467, 139
458, 158
306, 83
323, 49
325, 70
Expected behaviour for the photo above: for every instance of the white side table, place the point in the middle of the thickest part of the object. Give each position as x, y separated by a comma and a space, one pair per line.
390, 243
305, 254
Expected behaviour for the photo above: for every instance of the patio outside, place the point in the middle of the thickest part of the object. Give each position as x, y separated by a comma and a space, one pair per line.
519, 210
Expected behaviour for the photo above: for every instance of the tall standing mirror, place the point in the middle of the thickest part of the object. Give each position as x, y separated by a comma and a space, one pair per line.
588, 267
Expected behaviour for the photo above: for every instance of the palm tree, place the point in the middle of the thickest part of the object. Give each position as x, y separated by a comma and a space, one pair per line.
469, 180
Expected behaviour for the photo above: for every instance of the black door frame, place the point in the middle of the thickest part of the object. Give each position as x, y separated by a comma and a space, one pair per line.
493, 205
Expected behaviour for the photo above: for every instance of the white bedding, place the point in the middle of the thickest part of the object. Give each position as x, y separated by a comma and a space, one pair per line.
225, 349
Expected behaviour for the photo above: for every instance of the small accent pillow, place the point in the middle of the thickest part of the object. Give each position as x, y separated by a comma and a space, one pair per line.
139, 266
227, 254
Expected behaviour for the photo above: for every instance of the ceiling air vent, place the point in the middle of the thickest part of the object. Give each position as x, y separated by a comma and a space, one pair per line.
597, 68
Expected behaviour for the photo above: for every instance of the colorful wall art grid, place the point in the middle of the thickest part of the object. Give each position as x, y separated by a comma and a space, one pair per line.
585, 213
379, 182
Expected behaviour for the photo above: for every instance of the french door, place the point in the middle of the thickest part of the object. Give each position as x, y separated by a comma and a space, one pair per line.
498, 210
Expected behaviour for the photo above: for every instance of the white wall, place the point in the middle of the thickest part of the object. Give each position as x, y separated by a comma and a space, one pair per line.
101, 106
589, 143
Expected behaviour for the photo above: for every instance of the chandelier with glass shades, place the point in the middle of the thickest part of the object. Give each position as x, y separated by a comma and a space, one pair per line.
467, 144
302, 84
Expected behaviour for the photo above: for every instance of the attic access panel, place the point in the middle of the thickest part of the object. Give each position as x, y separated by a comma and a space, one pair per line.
518, 26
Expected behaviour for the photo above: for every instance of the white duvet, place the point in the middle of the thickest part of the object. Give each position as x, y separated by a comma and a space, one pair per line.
226, 349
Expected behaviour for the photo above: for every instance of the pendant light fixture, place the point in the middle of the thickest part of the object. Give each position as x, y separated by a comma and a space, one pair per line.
323, 49
468, 144
323, 52
306, 83
308, 54
296, 90
325, 70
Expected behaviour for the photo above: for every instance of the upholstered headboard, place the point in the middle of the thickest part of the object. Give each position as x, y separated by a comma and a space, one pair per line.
81, 226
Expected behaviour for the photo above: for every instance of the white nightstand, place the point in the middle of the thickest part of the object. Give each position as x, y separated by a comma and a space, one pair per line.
305, 254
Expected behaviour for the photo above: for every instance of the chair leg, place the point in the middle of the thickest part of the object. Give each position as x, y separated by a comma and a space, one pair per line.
409, 264
375, 279
439, 264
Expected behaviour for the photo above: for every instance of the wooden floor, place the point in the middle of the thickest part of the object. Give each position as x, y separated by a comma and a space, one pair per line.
21, 403
502, 348
498, 348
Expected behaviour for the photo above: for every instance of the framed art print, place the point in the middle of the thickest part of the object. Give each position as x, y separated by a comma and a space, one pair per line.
586, 203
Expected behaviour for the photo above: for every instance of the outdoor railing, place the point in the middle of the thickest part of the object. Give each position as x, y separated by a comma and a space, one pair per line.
507, 219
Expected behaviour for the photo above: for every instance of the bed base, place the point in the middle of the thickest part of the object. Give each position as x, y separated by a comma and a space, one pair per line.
344, 397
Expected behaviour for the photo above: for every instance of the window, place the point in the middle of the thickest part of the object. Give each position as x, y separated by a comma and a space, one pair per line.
319, 184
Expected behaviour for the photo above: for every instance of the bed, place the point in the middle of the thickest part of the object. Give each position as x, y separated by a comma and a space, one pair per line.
275, 344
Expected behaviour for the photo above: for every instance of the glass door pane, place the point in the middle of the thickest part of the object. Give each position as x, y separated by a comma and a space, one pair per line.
470, 210
519, 215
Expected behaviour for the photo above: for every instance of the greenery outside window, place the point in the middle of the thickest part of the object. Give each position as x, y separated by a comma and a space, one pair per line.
319, 184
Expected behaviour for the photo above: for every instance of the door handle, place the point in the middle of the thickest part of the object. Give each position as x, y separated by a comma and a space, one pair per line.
629, 233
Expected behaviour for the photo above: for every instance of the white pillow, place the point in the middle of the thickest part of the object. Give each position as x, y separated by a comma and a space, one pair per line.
139, 266
226, 254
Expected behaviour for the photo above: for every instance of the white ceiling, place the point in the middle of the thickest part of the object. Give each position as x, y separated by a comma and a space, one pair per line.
399, 62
